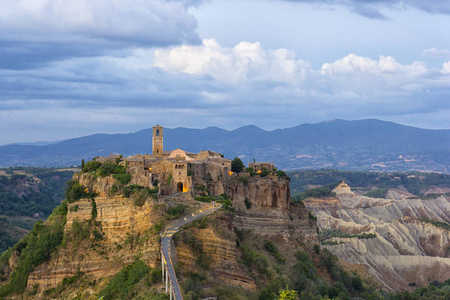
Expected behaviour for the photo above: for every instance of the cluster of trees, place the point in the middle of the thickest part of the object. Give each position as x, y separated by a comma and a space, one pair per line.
322, 191
102, 169
21, 195
35, 248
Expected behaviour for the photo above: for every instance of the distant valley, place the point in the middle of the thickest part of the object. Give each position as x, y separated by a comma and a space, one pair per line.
365, 145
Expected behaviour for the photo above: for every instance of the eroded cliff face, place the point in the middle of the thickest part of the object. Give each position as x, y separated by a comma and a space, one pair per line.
120, 231
264, 206
406, 250
220, 254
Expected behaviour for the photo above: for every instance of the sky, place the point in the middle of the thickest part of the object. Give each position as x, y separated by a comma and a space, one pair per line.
69, 69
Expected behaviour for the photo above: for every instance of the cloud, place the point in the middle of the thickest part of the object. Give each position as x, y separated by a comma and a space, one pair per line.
32, 32
272, 79
245, 61
200, 86
250, 64
439, 53
371, 8
446, 67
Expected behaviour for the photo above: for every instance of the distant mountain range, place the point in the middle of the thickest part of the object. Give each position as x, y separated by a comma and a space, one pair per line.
349, 145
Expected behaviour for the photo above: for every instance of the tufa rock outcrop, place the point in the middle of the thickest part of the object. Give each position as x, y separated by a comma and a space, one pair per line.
399, 239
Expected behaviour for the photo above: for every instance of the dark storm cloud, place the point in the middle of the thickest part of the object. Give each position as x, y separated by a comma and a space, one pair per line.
95, 83
33, 33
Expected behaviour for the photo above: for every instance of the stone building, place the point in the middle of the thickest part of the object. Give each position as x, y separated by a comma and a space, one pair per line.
157, 143
258, 167
177, 171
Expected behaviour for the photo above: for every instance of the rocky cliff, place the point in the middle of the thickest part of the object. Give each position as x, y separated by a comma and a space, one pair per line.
103, 231
219, 254
99, 247
402, 240
264, 206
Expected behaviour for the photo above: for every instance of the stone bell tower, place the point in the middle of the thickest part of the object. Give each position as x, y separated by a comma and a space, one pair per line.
157, 140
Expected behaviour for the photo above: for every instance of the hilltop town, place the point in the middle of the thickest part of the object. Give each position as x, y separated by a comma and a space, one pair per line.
181, 171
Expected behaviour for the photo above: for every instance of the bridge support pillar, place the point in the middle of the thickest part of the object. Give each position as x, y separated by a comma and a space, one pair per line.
162, 266
170, 288
167, 280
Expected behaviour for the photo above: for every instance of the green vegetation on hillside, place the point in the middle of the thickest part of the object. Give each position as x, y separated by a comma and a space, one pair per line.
124, 284
326, 234
415, 183
436, 223
39, 192
378, 193
175, 212
270, 247
222, 199
322, 191
435, 291
35, 248
140, 193
26, 196
308, 276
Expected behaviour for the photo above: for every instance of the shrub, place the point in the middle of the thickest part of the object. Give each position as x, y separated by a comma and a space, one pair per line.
226, 203
316, 248
74, 278
60, 210
243, 179
122, 285
98, 236
329, 261
205, 198
378, 193
326, 234
142, 195
124, 179
192, 286
94, 210
250, 170
201, 223
281, 173
91, 166
139, 201
134, 188
106, 169
272, 249
264, 173
75, 191
312, 217
74, 208
155, 276
80, 231
176, 211
436, 223
252, 259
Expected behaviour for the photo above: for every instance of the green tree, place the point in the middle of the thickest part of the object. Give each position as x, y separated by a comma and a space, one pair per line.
237, 165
